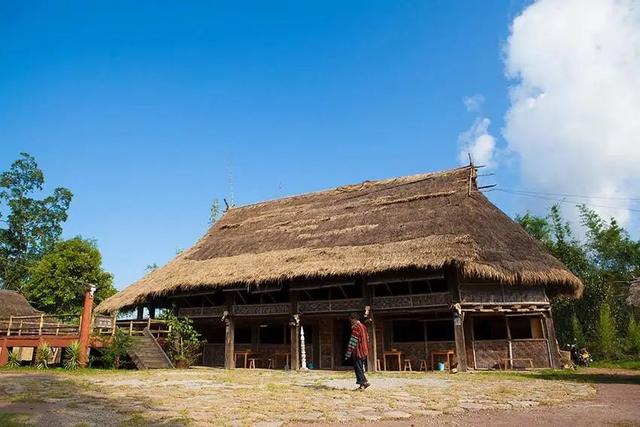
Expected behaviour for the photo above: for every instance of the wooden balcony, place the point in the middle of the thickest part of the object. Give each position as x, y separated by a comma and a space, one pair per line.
412, 301
331, 306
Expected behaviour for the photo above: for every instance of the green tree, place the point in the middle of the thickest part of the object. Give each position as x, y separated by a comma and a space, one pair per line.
576, 331
57, 282
183, 345
31, 225
606, 336
633, 336
605, 260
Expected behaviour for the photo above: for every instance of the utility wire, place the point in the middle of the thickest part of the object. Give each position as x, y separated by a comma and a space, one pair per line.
575, 196
572, 202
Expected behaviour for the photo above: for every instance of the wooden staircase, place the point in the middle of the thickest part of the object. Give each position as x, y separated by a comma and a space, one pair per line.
146, 353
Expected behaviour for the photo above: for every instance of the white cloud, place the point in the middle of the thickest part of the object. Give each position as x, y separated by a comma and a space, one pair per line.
574, 118
473, 103
478, 142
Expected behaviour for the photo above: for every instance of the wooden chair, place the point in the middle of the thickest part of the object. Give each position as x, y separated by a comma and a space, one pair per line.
407, 365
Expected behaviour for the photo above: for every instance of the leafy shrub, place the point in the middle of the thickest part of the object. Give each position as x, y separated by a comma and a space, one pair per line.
183, 343
116, 349
43, 354
72, 356
606, 335
633, 336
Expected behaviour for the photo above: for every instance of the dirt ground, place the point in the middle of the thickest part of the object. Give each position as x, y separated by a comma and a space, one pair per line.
199, 397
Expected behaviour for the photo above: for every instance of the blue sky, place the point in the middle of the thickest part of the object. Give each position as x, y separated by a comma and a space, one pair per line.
149, 110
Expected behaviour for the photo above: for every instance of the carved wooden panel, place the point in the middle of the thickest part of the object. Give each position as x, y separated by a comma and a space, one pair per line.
535, 349
488, 353
201, 311
411, 301
496, 293
331, 306
261, 309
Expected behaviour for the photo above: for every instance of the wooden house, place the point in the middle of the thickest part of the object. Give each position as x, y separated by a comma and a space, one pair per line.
430, 263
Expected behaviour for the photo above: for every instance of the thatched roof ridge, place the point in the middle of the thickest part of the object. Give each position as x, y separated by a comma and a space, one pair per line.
14, 304
634, 293
420, 222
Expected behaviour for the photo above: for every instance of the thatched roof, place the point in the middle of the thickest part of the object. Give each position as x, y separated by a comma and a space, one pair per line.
14, 304
634, 293
417, 222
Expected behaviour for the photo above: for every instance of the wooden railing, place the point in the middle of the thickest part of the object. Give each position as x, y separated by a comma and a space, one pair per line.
157, 328
38, 325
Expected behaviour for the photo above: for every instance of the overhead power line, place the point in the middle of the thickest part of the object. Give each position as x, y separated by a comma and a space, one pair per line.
575, 196
563, 200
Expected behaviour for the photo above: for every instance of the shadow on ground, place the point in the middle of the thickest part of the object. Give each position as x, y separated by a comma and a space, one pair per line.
590, 376
48, 400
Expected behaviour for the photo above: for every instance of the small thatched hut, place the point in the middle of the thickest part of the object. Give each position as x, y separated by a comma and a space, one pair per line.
432, 265
14, 304
634, 293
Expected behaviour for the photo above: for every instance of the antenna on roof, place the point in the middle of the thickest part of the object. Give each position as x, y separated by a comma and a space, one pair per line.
229, 168
472, 174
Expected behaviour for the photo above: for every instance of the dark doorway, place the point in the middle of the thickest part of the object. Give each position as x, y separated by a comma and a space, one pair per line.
342, 332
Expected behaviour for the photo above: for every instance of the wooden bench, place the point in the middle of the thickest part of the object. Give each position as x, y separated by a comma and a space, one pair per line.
505, 361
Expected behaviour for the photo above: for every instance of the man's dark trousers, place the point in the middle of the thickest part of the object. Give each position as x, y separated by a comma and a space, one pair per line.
358, 366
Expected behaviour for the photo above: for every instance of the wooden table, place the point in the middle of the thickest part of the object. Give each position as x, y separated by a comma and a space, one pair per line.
397, 354
448, 353
285, 355
245, 353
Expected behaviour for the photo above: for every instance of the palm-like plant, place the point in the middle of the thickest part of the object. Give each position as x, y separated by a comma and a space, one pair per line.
14, 360
43, 354
72, 356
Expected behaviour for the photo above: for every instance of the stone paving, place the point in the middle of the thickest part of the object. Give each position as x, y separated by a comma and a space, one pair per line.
200, 397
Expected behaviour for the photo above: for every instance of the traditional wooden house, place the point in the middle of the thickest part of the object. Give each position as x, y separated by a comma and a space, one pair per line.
435, 268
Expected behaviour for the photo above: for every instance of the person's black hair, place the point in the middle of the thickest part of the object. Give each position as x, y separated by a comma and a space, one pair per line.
354, 316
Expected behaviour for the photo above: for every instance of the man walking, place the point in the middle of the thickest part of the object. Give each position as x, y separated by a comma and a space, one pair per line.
358, 349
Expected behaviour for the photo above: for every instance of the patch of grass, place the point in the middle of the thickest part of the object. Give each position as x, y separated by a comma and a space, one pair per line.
617, 364
13, 419
135, 420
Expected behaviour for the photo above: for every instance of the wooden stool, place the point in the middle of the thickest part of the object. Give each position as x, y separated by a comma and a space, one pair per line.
378, 365
407, 365
270, 363
252, 363
423, 365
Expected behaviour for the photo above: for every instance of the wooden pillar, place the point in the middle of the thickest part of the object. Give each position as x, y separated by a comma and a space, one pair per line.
295, 331
367, 292
85, 324
229, 343
453, 283
4, 353
373, 346
461, 351
295, 345
152, 311
140, 315
229, 334
552, 343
